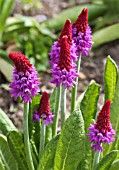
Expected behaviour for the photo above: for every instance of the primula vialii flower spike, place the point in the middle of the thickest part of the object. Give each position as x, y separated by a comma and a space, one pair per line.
82, 33
24, 79
67, 30
65, 58
101, 131
43, 111
82, 21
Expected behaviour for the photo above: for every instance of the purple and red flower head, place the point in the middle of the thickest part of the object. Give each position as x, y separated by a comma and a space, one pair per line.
25, 82
82, 33
43, 111
74, 39
101, 131
63, 57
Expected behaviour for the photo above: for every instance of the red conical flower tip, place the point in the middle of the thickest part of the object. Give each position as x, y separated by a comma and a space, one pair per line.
82, 21
64, 61
103, 120
67, 30
44, 107
21, 62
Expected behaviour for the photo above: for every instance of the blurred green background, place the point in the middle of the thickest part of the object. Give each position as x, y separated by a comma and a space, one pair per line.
31, 26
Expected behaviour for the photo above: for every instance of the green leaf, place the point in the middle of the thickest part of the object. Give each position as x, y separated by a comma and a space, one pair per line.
47, 159
6, 156
78, 101
32, 107
6, 124
35, 102
16, 145
89, 103
114, 118
110, 78
35, 125
115, 165
115, 108
107, 20
70, 149
94, 12
102, 36
4, 56
4, 13
89, 107
86, 162
6, 69
2, 166
107, 160
34, 154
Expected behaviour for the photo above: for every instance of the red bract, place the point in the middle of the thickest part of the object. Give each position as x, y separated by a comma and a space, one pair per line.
82, 21
65, 58
44, 107
103, 120
67, 30
20, 60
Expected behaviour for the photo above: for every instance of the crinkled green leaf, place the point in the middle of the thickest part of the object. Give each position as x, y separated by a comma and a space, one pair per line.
47, 159
89, 107
7, 159
2, 166
34, 153
115, 109
70, 148
35, 102
114, 118
107, 160
110, 78
16, 145
115, 165
89, 103
6, 124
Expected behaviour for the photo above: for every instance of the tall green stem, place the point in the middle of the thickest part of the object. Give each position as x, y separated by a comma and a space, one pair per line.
96, 159
63, 106
26, 137
48, 136
74, 89
42, 139
56, 110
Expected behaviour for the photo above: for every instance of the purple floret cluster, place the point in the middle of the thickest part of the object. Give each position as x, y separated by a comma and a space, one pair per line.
97, 138
83, 41
24, 84
63, 77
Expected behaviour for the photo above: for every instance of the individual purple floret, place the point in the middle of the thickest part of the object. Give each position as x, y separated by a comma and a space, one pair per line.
24, 79
43, 111
82, 33
101, 131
